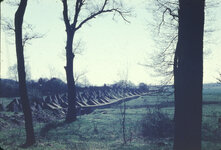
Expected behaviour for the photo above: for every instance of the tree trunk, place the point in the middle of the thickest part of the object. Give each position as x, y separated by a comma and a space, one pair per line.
71, 114
188, 75
30, 139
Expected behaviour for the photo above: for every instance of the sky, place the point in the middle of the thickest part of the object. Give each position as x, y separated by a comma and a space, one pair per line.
109, 47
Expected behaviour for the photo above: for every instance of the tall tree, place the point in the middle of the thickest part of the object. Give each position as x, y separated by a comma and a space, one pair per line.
19, 15
188, 75
71, 28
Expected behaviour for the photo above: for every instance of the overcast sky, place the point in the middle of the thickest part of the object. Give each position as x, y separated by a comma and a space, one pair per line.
110, 47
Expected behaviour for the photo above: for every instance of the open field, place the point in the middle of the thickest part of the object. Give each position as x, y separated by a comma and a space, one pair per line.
102, 129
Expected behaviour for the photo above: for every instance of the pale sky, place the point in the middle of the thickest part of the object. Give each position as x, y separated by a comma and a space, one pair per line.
110, 46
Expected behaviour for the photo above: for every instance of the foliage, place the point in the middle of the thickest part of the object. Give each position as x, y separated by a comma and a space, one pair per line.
157, 125
211, 129
8, 88
143, 86
52, 86
124, 84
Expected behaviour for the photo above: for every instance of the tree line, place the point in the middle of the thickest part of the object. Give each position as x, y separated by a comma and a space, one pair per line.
43, 86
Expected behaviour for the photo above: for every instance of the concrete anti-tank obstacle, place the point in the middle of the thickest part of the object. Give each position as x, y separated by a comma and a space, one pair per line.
86, 98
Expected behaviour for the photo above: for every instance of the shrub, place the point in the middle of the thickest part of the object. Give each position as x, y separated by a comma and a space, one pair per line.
157, 125
211, 132
8, 88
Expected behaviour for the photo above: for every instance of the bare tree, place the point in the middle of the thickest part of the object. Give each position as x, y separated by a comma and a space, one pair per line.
164, 28
12, 72
27, 71
188, 75
19, 15
123, 75
85, 81
123, 121
73, 23
79, 76
28, 35
186, 64
165, 31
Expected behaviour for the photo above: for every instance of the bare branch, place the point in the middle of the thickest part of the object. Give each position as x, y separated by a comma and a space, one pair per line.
162, 60
80, 75
162, 21
8, 26
78, 5
175, 16
27, 37
65, 14
13, 3
103, 10
78, 49
174, 39
166, 8
219, 78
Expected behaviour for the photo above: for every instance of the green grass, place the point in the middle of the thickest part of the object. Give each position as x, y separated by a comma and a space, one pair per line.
98, 130
102, 130
212, 93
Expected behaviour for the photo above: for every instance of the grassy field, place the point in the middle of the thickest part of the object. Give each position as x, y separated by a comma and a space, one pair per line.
102, 129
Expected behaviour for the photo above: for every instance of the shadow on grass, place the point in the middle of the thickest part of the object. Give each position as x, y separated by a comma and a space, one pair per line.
49, 126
